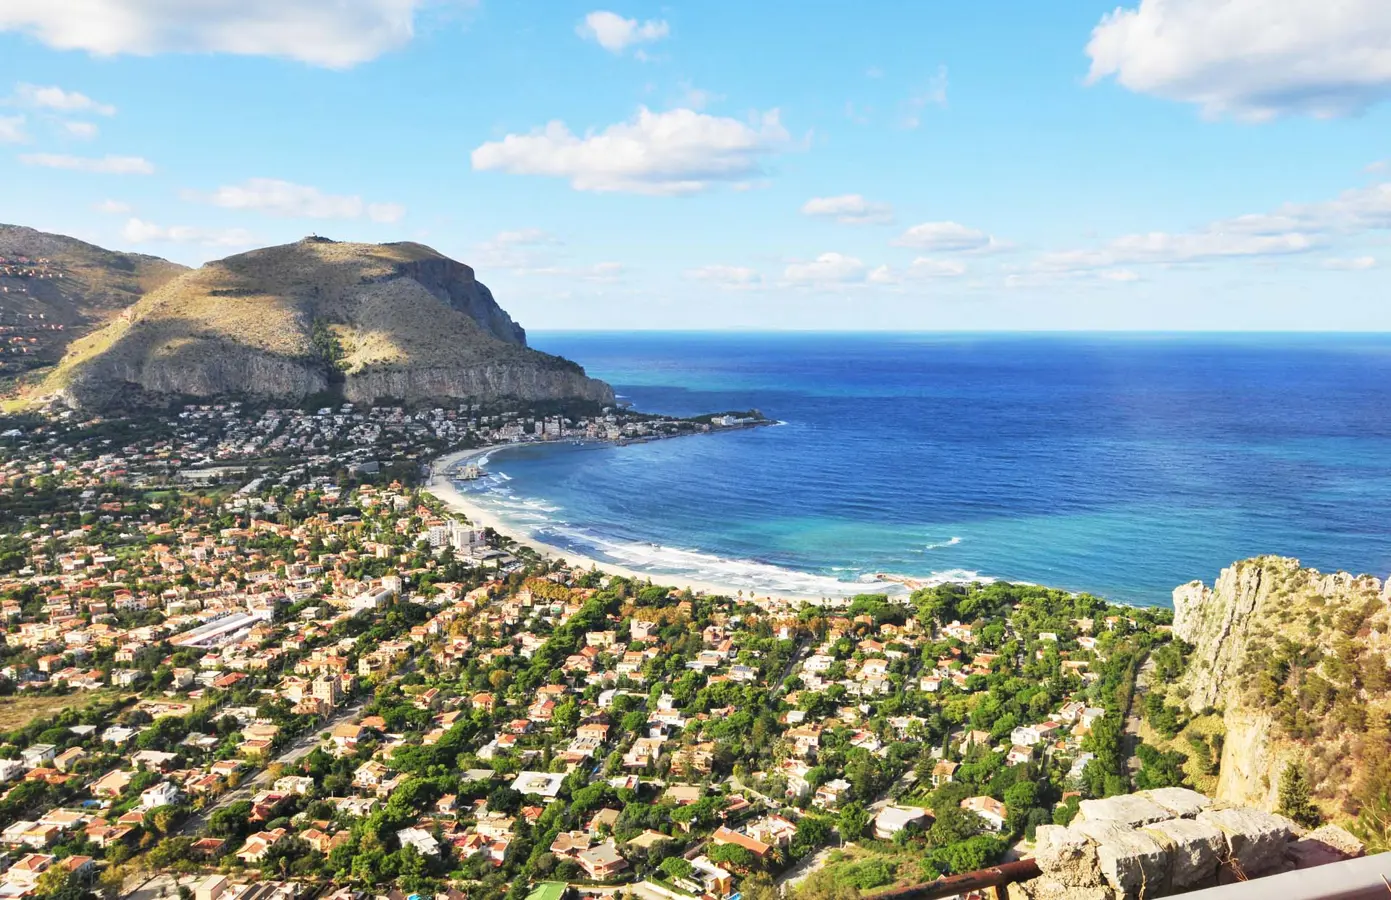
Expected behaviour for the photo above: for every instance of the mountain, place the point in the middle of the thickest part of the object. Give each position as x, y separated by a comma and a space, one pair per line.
1288, 665
374, 322
55, 289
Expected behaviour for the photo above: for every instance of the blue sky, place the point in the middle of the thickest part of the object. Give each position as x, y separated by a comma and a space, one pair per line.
1168, 164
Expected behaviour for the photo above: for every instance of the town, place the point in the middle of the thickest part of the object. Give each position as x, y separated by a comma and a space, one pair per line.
247, 657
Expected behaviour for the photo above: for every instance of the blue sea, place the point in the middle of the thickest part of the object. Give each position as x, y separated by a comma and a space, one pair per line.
1123, 465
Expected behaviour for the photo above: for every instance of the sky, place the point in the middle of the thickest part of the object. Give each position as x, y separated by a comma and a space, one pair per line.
721, 164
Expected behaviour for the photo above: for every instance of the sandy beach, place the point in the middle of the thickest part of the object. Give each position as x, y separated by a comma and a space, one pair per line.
442, 488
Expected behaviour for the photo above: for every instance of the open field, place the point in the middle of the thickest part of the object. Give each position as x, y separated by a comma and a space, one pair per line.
21, 710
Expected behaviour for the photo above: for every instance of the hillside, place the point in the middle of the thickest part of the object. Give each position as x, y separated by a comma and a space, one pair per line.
1292, 666
390, 321
55, 289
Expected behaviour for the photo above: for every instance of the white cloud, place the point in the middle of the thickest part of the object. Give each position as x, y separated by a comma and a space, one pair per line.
1158, 247
140, 232
603, 272
934, 93
112, 207
524, 249
849, 209
828, 268
729, 277
84, 130
676, 152
1252, 59
947, 237
289, 200
57, 99
921, 269
1355, 264
616, 34
924, 267
12, 130
106, 165
338, 34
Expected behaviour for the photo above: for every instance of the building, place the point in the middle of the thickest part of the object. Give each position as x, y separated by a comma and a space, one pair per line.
893, 819
602, 862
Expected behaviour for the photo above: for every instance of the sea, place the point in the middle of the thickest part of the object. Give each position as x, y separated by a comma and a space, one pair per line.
1122, 465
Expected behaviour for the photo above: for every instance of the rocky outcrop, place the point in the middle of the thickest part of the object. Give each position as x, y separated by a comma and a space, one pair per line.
1254, 633
1171, 841
487, 383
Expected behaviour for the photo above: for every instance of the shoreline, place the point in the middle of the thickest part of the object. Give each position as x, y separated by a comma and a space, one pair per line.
442, 488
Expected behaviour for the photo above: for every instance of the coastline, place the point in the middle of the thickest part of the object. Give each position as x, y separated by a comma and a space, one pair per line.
442, 488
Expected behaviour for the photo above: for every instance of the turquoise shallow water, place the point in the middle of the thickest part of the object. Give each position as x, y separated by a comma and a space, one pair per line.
1123, 465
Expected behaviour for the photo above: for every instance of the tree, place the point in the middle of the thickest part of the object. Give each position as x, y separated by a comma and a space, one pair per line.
853, 820
1294, 797
731, 855
676, 867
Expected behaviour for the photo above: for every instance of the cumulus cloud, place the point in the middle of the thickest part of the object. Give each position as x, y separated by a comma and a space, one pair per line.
289, 200
676, 152
850, 209
729, 277
337, 35
827, 269
58, 100
138, 231
616, 34
12, 130
1251, 59
84, 130
112, 207
105, 165
947, 237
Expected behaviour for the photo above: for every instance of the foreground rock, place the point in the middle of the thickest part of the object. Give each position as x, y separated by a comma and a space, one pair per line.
1117, 848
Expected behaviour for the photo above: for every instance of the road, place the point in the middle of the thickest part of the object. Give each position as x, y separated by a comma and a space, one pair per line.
301, 748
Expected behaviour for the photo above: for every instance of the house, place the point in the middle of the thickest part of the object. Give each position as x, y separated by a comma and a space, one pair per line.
989, 809
423, 841
725, 835
893, 819
38, 754
831, 794
112, 784
602, 862
257, 844
166, 793
944, 771
543, 784
716, 880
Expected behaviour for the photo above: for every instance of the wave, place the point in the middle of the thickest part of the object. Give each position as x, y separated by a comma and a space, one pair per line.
536, 519
951, 543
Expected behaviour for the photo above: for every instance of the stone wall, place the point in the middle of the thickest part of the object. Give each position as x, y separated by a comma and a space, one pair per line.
1168, 841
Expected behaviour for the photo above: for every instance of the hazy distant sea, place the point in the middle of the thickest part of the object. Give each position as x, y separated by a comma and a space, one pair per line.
1122, 465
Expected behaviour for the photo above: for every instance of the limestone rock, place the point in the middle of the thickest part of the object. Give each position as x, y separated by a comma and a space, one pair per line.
1323, 845
1067, 856
1131, 810
1195, 851
1179, 802
1134, 864
1255, 840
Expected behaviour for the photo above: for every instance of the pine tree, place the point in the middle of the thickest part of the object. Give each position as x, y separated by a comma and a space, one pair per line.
1294, 797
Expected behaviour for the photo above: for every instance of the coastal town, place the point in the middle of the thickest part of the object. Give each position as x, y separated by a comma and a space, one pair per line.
246, 656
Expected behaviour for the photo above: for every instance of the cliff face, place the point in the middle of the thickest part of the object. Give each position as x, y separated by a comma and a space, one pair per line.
391, 321
453, 283
1296, 662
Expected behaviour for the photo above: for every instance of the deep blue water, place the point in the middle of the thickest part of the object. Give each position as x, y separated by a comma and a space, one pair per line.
1122, 465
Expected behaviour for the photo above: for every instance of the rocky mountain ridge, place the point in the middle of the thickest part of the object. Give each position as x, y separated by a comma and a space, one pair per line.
372, 322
